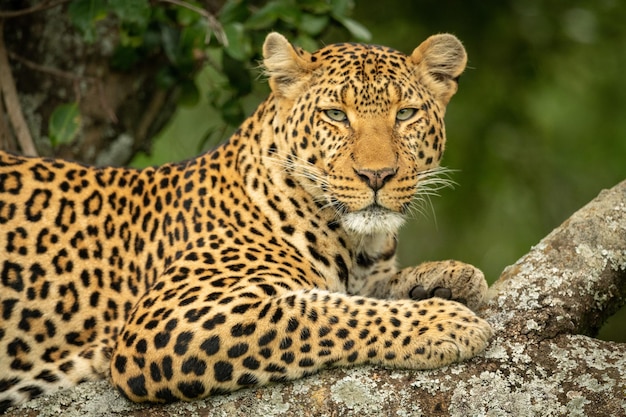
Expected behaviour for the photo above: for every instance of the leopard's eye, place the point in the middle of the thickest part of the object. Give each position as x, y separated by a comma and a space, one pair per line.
405, 114
336, 115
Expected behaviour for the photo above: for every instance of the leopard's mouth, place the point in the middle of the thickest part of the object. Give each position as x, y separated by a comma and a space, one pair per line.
373, 219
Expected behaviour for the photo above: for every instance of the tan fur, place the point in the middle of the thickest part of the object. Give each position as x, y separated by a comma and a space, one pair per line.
264, 260
286, 68
442, 59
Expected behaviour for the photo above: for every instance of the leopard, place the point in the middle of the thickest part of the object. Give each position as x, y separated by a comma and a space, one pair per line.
264, 260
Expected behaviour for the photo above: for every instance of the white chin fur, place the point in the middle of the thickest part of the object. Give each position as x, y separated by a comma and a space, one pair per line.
370, 222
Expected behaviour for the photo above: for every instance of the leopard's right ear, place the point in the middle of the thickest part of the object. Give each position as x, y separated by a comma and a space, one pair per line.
286, 66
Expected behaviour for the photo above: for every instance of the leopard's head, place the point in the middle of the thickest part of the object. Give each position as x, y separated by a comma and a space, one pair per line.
361, 126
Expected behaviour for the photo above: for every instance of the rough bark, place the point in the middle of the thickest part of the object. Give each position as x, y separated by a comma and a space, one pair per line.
45, 62
540, 361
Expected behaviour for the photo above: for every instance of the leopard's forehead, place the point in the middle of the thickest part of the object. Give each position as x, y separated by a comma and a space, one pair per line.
366, 78
363, 62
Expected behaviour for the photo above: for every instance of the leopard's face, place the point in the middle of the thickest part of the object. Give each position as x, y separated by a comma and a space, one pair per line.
365, 132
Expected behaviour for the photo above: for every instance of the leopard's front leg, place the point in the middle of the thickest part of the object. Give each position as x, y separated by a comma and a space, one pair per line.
197, 333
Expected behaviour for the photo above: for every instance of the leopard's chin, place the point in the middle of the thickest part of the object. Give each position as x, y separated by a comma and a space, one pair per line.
372, 220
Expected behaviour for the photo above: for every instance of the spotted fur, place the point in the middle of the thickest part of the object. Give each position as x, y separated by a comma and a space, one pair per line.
264, 260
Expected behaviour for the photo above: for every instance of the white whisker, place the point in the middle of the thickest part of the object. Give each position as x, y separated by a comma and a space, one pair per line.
299, 167
430, 184
314, 180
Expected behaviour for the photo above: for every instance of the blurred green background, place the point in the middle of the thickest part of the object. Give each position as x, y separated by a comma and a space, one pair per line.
537, 129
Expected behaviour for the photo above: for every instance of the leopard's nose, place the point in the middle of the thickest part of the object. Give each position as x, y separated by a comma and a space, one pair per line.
376, 178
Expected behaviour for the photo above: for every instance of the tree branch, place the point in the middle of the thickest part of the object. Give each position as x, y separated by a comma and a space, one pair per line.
536, 364
44, 5
12, 102
6, 137
47, 70
573, 280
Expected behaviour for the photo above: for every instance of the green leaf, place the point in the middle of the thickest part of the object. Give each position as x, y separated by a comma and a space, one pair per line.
265, 17
64, 124
315, 6
290, 13
356, 29
190, 43
186, 17
313, 25
169, 38
234, 11
239, 44
192, 37
131, 11
84, 14
341, 7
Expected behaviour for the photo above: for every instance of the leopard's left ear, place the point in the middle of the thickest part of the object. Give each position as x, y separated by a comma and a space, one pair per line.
286, 66
441, 60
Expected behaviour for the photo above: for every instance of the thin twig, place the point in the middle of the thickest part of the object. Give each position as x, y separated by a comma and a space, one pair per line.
154, 108
12, 102
110, 112
214, 24
6, 14
46, 70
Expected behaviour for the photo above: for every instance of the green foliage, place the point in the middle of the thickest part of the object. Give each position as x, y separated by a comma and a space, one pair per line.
178, 37
84, 13
131, 12
245, 27
231, 88
64, 124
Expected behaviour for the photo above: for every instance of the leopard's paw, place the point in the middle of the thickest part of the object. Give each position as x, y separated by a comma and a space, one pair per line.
451, 280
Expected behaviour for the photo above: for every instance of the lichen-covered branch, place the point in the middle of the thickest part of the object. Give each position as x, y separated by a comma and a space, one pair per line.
573, 280
539, 363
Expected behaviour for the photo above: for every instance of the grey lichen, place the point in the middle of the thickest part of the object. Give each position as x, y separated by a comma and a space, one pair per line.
356, 393
499, 394
88, 399
120, 149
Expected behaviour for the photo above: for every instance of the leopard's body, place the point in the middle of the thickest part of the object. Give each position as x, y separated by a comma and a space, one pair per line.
263, 260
